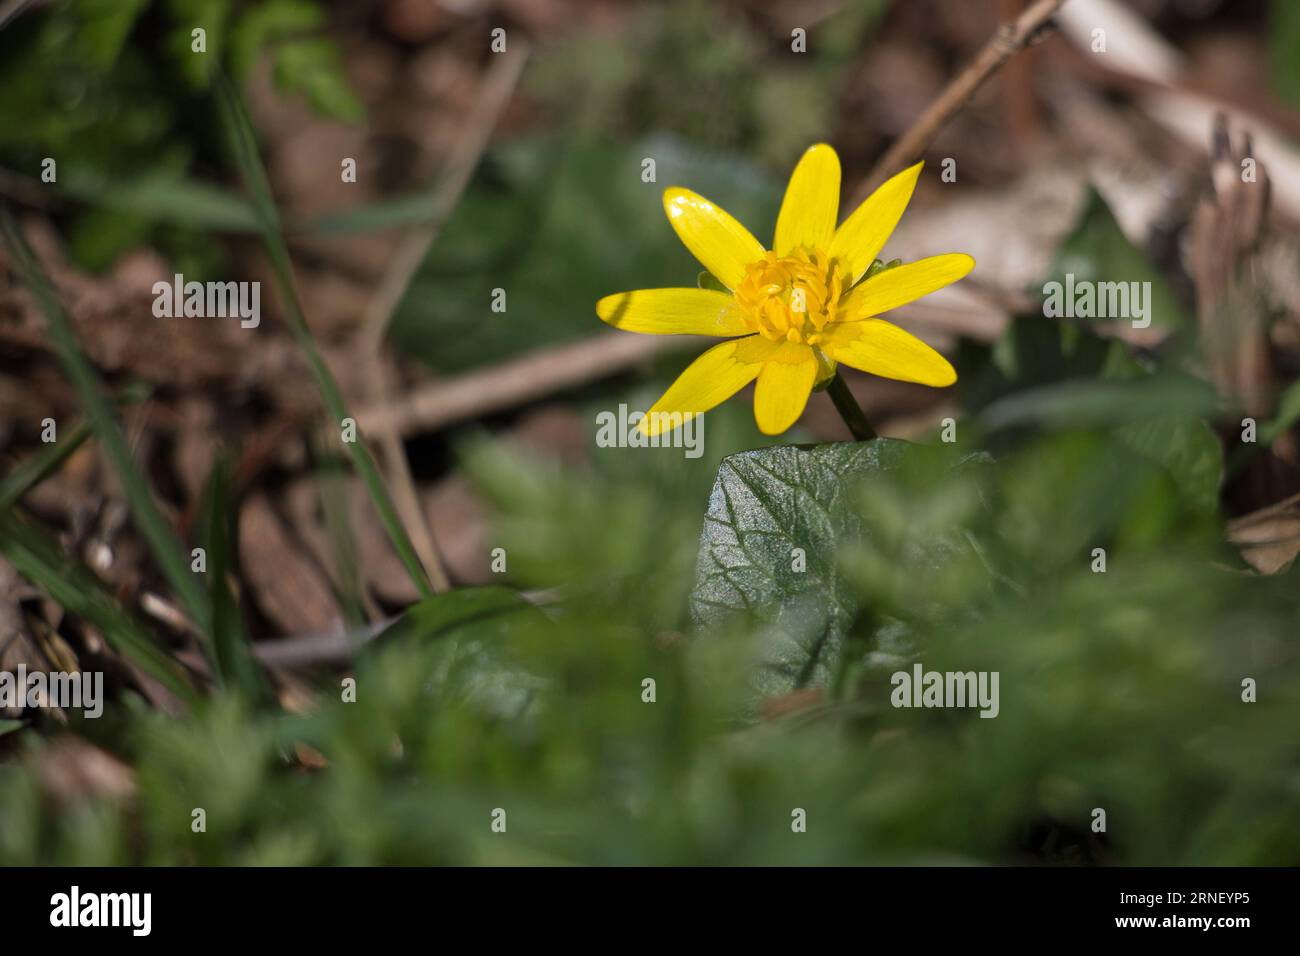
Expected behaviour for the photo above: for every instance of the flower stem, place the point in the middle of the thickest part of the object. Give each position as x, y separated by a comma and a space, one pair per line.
849, 409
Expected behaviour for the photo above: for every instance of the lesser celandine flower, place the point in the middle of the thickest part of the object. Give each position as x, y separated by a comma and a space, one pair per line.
794, 311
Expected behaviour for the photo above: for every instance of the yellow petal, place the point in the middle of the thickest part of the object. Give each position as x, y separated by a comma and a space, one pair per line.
882, 348
861, 237
722, 245
710, 380
812, 202
666, 311
903, 284
783, 388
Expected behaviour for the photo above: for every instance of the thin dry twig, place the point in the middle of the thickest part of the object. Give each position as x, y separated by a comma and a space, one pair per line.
493, 96
1009, 40
550, 370
495, 93
10, 11
518, 380
339, 646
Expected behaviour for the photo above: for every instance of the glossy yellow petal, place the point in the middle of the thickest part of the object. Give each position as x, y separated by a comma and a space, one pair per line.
882, 348
861, 236
667, 311
783, 388
811, 204
719, 242
903, 284
710, 380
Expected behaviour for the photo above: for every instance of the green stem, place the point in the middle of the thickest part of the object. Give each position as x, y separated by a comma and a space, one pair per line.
849, 409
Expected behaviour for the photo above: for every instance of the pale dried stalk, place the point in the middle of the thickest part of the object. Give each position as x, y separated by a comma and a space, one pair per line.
495, 93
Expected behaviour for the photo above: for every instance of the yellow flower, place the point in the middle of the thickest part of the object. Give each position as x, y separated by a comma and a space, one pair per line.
794, 311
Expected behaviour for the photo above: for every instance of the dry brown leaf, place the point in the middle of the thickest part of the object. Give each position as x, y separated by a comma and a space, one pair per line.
72, 771
1269, 539
287, 585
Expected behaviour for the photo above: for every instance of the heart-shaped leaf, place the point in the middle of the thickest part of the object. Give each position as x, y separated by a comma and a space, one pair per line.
776, 521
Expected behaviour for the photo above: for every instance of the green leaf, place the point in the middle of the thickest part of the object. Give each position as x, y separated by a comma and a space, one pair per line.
312, 67
413, 209
465, 638
772, 512
99, 236
1098, 253
234, 666
213, 17
1035, 351
168, 197
163, 197
459, 613
1288, 413
304, 62
1087, 402
558, 223
1284, 40
878, 266
105, 28
9, 726
707, 280
266, 23
1188, 448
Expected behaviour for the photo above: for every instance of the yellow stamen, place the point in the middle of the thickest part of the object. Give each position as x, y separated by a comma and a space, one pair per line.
791, 298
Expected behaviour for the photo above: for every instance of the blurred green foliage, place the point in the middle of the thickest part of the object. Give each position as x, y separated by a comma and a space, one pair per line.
1119, 690
112, 90
1097, 251
558, 223
1284, 42
697, 70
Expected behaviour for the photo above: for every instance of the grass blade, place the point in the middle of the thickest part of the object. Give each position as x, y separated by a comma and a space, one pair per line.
233, 665
331, 476
38, 558
411, 210
189, 204
162, 542
40, 466
194, 204
50, 459
243, 146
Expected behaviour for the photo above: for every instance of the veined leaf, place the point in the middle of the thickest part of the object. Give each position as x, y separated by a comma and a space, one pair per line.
777, 518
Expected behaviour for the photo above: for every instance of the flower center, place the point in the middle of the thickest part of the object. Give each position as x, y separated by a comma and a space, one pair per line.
791, 298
